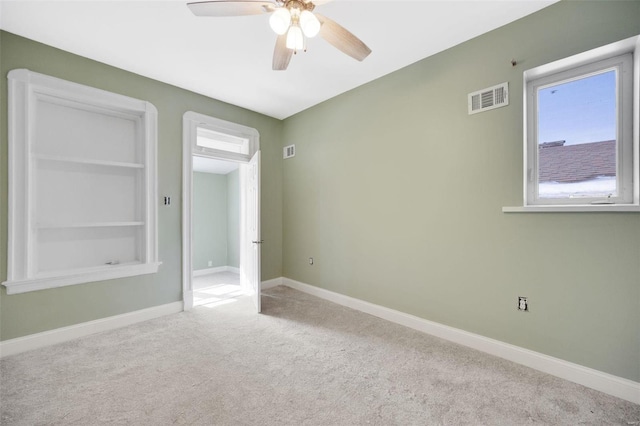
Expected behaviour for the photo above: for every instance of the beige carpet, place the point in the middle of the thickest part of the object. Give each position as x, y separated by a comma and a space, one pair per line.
304, 361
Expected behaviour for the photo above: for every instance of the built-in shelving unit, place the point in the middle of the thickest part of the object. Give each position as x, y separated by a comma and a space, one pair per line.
82, 184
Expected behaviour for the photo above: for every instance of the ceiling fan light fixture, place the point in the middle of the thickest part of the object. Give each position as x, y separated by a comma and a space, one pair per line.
295, 39
292, 20
280, 20
309, 23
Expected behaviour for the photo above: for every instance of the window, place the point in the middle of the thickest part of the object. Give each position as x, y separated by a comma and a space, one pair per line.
221, 142
580, 147
82, 179
219, 138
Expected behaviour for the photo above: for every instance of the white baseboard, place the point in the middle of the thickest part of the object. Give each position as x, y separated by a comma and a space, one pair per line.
187, 301
271, 283
594, 379
201, 272
59, 335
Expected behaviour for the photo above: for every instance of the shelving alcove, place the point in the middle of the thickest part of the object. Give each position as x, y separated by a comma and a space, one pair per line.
82, 184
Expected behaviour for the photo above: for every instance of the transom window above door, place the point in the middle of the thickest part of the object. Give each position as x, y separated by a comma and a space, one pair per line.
222, 142
212, 137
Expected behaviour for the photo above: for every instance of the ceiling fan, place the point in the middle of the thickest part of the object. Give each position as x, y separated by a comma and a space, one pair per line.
292, 20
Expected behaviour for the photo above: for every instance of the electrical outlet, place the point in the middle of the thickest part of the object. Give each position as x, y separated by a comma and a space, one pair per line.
311, 261
523, 304
210, 263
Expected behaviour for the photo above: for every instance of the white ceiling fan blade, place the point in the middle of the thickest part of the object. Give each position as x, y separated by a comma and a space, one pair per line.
281, 55
231, 7
342, 39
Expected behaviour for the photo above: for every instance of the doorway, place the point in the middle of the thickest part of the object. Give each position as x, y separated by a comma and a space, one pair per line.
216, 231
223, 157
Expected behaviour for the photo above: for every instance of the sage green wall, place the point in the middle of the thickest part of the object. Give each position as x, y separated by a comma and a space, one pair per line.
397, 194
33, 312
209, 220
216, 220
233, 218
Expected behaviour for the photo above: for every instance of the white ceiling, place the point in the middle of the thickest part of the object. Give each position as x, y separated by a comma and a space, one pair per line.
211, 165
230, 58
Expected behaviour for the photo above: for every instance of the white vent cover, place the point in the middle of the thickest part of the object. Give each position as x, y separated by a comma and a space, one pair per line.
489, 98
289, 151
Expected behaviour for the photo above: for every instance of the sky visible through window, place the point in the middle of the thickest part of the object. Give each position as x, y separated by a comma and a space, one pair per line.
579, 111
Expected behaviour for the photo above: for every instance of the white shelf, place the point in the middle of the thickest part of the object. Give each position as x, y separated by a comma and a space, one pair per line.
87, 270
87, 225
82, 184
80, 276
77, 160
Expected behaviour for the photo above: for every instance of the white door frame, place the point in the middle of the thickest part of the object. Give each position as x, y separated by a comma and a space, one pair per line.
190, 123
251, 241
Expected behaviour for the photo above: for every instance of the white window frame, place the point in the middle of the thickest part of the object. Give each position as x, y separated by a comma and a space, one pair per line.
26, 89
233, 144
624, 69
628, 127
193, 120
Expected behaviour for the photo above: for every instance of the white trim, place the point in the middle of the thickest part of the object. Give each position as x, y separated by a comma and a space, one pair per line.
201, 272
622, 66
64, 334
593, 55
217, 125
190, 123
603, 208
271, 283
26, 90
101, 273
187, 300
628, 171
188, 134
636, 121
598, 380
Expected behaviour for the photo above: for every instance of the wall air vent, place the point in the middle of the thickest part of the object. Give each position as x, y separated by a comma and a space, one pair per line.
490, 98
289, 151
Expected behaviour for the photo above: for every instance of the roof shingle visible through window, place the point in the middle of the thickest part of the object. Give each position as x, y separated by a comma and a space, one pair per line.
575, 163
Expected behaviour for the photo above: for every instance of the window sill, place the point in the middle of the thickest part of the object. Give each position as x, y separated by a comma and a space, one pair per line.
578, 208
80, 277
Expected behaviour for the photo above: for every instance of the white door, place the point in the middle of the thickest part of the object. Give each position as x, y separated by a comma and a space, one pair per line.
253, 229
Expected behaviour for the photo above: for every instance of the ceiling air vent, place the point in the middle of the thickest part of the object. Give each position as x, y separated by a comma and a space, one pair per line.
490, 98
289, 151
